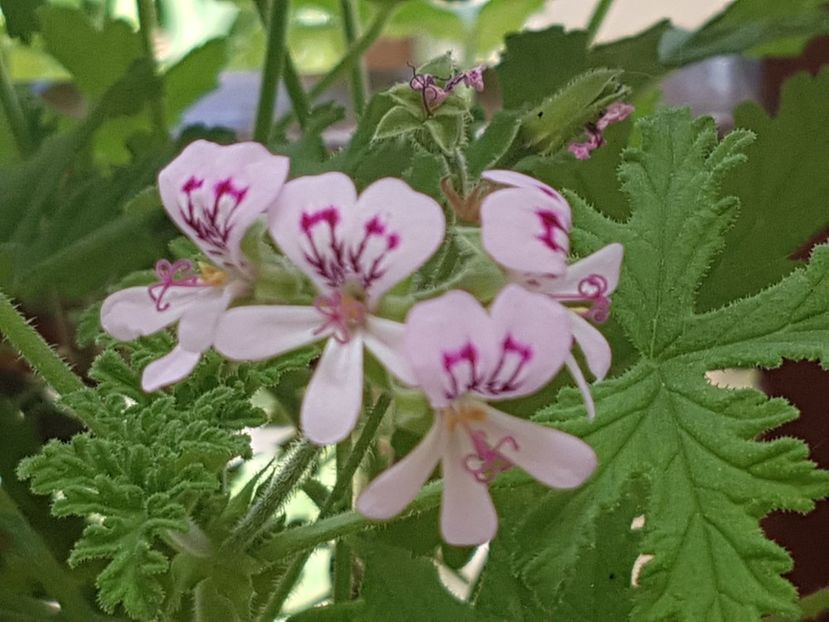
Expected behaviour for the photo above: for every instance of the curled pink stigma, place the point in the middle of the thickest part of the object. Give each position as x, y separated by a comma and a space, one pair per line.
178, 274
593, 288
487, 461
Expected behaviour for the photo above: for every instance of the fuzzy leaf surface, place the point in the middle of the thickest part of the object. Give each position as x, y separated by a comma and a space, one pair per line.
710, 481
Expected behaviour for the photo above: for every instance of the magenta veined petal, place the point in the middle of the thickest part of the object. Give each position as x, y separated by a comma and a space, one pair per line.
525, 230
553, 457
215, 192
394, 489
467, 514
308, 223
451, 344
519, 180
332, 400
534, 338
371, 242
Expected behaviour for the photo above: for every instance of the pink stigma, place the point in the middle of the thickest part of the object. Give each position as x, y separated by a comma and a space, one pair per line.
178, 274
487, 461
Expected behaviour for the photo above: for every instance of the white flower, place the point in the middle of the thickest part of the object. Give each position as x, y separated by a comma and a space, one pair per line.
462, 356
354, 250
213, 193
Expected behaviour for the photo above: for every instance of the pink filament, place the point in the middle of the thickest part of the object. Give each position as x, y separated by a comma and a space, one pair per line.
177, 274
487, 461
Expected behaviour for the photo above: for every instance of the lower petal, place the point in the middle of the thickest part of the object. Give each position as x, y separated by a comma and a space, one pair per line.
394, 489
384, 339
553, 457
197, 327
467, 515
593, 344
169, 369
256, 332
132, 312
334, 395
581, 383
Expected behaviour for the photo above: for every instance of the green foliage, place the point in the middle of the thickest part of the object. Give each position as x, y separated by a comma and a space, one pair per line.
710, 481
21, 17
782, 192
759, 27
150, 461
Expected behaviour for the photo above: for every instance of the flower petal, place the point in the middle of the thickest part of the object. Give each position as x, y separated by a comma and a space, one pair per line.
169, 369
450, 343
384, 339
259, 332
333, 397
593, 344
394, 489
132, 313
584, 388
215, 192
518, 180
553, 457
197, 326
534, 338
605, 263
467, 515
309, 223
394, 231
526, 230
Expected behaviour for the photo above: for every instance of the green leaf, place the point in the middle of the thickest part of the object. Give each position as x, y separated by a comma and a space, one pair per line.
782, 192
496, 18
710, 480
494, 143
193, 76
762, 27
397, 122
73, 40
446, 132
526, 79
21, 17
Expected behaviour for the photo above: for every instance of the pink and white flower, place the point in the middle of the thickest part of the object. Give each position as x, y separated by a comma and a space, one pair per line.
213, 193
463, 357
354, 250
589, 281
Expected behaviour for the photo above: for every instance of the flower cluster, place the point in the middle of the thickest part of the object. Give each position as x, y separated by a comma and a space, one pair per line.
433, 95
354, 249
615, 113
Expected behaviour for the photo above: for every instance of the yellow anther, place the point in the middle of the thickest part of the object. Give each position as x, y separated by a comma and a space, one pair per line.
463, 412
212, 275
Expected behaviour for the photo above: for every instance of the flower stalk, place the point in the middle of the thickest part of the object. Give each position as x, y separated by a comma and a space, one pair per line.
597, 19
359, 82
14, 113
272, 71
146, 21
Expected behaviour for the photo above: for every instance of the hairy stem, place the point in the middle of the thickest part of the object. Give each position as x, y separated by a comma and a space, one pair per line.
23, 541
359, 83
597, 19
344, 476
294, 468
14, 113
272, 71
32, 347
342, 552
146, 21
354, 54
293, 84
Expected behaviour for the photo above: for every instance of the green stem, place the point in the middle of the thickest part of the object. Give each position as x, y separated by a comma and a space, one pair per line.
354, 53
293, 84
14, 113
146, 22
32, 347
359, 82
272, 71
294, 468
811, 606
28, 545
344, 477
597, 19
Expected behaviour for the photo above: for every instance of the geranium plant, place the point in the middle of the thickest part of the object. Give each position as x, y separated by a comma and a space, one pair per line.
485, 334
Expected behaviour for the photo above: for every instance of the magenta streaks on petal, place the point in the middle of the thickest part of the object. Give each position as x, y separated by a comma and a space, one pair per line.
178, 273
513, 354
453, 364
212, 222
550, 223
487, 461
342, 313
332, 269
